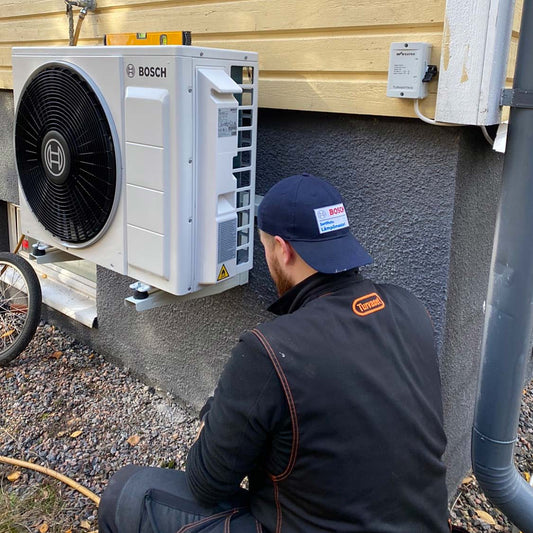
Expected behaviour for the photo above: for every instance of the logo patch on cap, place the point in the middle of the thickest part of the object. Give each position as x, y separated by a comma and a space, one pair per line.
331, 218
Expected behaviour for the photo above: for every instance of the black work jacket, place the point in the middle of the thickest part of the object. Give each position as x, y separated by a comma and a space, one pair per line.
333, 411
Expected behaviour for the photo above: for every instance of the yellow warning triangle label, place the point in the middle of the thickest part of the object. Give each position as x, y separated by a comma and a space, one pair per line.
223, 274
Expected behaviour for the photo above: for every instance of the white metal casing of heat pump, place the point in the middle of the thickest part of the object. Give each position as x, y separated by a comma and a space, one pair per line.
175, 159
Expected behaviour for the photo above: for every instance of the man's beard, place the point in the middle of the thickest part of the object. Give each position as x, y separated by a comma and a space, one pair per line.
282, 282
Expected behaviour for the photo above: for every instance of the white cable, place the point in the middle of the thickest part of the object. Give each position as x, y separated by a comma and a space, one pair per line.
430, 120
433, 122
490, 140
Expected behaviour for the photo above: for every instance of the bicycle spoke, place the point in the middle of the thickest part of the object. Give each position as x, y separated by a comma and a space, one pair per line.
15, 276
15, 298
12, 325
8, 284
9, 321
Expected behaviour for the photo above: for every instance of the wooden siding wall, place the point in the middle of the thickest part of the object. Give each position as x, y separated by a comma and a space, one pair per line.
316, 55
514, 42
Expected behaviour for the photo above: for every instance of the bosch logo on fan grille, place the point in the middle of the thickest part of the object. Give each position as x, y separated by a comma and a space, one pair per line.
130, 71
54, 157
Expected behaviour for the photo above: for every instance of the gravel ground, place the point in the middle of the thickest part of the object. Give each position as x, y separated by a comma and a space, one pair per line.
63, 406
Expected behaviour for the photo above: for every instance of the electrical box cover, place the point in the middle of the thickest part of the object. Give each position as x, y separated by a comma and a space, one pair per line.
407, 66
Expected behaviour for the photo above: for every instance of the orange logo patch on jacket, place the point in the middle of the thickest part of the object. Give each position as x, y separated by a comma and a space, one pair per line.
370, 303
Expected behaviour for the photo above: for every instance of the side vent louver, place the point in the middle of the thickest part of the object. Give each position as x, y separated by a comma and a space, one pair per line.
242, 163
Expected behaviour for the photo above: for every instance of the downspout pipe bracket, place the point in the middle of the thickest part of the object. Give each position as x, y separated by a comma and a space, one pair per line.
522, 98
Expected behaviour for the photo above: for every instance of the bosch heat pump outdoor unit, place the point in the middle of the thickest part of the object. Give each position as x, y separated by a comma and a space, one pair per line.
140, 159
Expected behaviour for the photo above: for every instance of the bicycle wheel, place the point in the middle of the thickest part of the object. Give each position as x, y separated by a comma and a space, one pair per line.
20, 305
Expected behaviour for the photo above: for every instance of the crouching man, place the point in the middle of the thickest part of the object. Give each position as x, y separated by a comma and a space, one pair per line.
332, 410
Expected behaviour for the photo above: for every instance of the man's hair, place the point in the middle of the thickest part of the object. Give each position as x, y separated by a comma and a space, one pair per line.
269, 239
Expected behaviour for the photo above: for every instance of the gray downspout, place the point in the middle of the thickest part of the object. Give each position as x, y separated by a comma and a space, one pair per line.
509, 308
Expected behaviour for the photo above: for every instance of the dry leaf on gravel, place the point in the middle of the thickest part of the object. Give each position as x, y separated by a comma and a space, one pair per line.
134, 440
57, 354
467, 480
14, 476
76, 433
43, 528
485, 517
85, 525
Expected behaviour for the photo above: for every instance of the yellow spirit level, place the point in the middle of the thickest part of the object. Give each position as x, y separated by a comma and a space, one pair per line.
149, 38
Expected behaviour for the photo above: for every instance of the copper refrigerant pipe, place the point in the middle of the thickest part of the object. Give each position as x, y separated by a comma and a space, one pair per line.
81, 18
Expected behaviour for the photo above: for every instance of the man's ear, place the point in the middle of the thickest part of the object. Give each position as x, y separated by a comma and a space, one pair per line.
286, 251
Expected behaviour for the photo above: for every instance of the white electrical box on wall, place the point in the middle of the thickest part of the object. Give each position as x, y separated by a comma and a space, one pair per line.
140, 159
408, 63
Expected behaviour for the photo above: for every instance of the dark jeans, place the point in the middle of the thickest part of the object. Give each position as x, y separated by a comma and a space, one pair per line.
156, 500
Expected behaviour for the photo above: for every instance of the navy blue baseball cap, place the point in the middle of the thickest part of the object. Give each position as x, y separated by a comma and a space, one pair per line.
309, 213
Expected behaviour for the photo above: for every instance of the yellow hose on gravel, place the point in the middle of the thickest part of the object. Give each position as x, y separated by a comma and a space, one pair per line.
52, 473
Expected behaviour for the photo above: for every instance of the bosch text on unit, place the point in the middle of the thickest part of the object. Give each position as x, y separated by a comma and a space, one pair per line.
153, 72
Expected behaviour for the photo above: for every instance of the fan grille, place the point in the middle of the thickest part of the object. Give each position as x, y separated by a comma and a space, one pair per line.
65, 155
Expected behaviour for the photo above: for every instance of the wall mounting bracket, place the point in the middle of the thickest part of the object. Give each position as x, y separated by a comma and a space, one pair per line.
52, 255
90, 5
157, 298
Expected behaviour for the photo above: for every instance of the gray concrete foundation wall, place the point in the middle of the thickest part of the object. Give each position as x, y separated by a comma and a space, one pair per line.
421, 199
476, 201
8, 173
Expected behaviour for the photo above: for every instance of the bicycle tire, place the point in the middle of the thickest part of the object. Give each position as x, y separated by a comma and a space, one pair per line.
20, 305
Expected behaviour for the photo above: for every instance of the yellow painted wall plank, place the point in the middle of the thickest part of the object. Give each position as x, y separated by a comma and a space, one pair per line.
339, 96
18, 8
336, 53
6, 78
512, 58
240, 16
5, 56
352, 53
517, 15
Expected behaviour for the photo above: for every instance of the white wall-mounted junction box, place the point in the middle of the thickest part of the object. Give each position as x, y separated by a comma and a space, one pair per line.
407, 67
